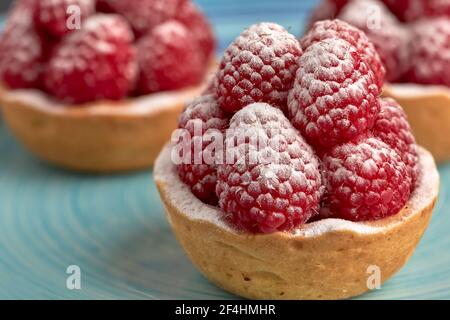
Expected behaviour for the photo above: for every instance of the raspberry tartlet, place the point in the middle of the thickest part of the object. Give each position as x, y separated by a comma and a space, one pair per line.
291, 178
96, 86
413, 40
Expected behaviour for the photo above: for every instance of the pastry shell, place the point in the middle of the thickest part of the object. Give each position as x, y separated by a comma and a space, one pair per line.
327, 259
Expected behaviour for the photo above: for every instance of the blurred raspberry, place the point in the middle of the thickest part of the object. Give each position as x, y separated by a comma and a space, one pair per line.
325, 10
390, 38
430, 52
54, 16
413, 10
342, 30
365, 180
169, 59
275, 186
22, 49
143, 15
197, 23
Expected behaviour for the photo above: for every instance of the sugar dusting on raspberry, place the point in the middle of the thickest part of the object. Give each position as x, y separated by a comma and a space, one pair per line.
259, 66
365, 180
205, 114
334, 98
274, 185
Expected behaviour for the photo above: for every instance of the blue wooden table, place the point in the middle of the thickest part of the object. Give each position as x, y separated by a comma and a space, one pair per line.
114, 230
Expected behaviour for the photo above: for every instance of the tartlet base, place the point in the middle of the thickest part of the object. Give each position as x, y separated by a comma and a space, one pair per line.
327, 259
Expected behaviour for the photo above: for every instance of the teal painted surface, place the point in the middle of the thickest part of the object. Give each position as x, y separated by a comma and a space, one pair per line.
115, 230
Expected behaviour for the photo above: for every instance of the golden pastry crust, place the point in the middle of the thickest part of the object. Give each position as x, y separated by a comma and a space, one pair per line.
428, 110
102, 137
327, 259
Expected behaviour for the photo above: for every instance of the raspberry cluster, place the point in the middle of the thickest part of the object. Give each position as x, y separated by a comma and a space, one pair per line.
105, 49
306, 134
412, 37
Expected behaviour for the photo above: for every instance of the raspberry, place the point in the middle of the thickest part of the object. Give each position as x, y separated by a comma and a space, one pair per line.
259, 66
339, 29
53, 16
412, 10
430, 52
143, 15
205, 114
274, 185
21, 48
96, 62
392, 128
390, 38
365, 180
334, 98
169, 59
197, 23
326, 9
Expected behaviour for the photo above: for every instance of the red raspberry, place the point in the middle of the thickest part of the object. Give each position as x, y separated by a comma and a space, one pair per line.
326, 9
392, 128
412, 10
203, 113
169, 59
143, 15
21, 48
430, 52
335, 96
390, 38
96, 62
274, 185
399, 7
197, 23
339, 29
259, 66
365, 180
53, 15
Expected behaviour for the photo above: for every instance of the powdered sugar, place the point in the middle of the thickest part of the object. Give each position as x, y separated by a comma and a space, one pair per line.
183, 200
